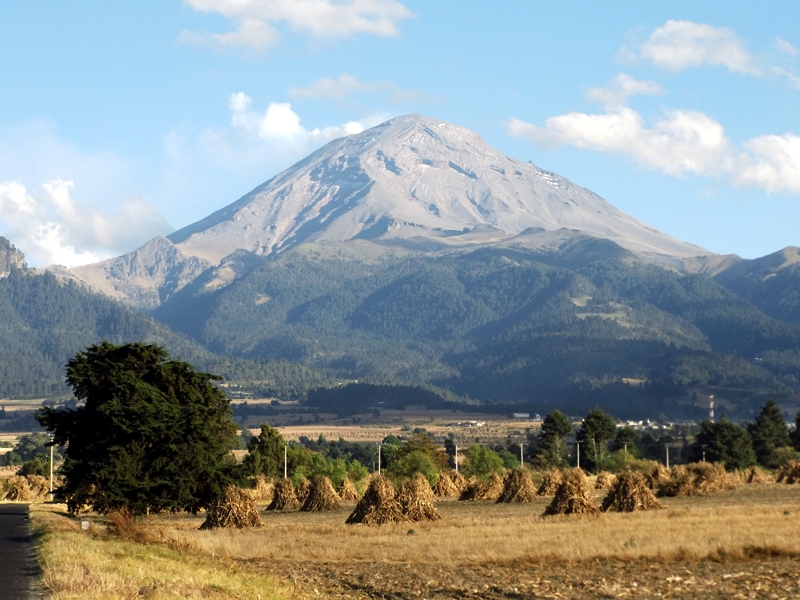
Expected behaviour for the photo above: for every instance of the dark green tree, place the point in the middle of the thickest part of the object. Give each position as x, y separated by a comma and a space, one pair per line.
265, 453
408, 465
796, 432
726, 442
769, 432
481, 461
597, 428
153, 435
625, 439
420, 442
550, 449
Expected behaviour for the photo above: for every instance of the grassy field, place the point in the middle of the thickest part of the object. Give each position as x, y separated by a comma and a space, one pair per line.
715, 546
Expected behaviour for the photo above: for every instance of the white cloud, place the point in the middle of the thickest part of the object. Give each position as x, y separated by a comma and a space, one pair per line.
336, 89
52, 228
38, 214
682, 143
621, 89
787, 48
318, 18
794, 80
678, 45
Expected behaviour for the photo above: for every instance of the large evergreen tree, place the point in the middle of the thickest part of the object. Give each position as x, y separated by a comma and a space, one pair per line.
265, 453
769, 432
597, 428
153, 435
726, 442
550, 447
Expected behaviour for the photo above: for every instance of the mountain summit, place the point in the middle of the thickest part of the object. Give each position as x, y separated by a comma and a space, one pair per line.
413, 177
411, 182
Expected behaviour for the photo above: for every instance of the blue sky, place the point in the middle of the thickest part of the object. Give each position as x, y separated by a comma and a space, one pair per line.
124, 120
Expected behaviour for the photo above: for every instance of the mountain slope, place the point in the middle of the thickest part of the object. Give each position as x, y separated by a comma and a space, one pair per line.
412, 177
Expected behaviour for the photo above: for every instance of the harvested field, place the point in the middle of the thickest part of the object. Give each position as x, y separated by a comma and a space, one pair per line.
550, 482
378, 505
703, 546
573, 497
789, 473
518, 487
483, 489
630, 493
697, 479
321, 496
347, 491
234, 508
416, 498
284, 497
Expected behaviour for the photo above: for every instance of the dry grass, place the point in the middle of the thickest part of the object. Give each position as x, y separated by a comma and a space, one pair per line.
284, 496
550, 482
378, 505
740, 523
518, 487
574, 496
630, 493
321, 496
96, 566
416, 498
789, 473
348, 492
235, 507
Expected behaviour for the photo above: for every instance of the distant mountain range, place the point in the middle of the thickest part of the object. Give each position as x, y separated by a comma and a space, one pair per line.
413, 252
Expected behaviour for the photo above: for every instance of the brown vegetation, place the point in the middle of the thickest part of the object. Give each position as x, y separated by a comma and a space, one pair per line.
573, 496
604, 481
347, 491
445, 488
697, 479
285, 497
264, 489
303, 489
630, 493
416, 499
754, 475
321, 496
483, 489
233, 508
789, 473
518, 487
550, 482
378, 505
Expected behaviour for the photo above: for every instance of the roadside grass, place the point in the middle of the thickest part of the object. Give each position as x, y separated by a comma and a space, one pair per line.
95, 565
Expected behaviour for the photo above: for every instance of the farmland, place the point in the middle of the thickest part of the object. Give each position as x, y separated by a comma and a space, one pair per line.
743, 542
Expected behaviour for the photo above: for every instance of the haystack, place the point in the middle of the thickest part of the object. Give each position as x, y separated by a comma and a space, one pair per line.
697, 479
264, 489
630, 493
234, 508
658, 477
285, 497
39, 486
458, 480
789, 473
573, 496
347, 491
518, 487
18, 489
303, 490
416, 498
550, 482
378, 504
754, 475
480, 489
604, 481
321, 496
445, 488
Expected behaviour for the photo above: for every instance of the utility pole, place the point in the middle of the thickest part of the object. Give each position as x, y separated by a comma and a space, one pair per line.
625, 445
667, 447
704, 453
579, 454
521, 455
379, 459
285, 463
456, 457
51, 467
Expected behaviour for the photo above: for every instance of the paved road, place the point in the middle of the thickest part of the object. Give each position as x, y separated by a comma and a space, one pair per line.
18, 571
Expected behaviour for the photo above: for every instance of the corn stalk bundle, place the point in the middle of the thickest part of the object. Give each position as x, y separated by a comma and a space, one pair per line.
445, 488
321, 496
697, 479
235, 507
550, 482
284, 498
754, 475
458, 480
479, 489
303, 489
264, 489
605, 481
347, 491
518, 487
574, 496
18, 489
416, 499
658, 477
378, 504
789, 473
40, 487
630, 493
